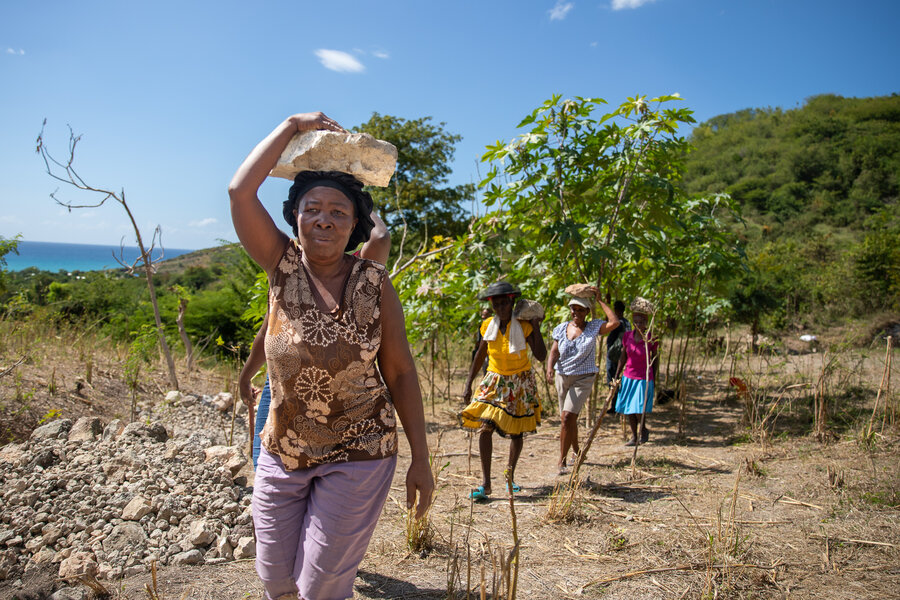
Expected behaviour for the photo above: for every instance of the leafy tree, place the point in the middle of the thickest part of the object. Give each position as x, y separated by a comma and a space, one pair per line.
579, 197
419, 201
6, 246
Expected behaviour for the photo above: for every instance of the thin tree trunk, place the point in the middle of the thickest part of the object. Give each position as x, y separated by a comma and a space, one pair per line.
188, 347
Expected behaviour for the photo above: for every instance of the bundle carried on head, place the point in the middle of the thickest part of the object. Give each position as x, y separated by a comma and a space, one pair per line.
642, 305
580, 290
369, 160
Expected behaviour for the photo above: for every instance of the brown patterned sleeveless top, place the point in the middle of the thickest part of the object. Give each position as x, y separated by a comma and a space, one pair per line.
329, 403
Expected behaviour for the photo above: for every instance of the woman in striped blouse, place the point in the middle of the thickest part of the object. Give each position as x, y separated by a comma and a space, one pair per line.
574, 357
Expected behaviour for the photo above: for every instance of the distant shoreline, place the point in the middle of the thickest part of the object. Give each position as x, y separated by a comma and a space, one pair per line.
55, 256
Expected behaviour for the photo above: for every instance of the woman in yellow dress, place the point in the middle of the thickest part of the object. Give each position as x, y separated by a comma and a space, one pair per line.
505, 400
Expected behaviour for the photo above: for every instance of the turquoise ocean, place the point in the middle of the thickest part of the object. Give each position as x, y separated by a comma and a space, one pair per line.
53, 257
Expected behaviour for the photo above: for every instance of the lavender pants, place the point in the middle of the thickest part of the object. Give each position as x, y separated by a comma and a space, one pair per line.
313, 525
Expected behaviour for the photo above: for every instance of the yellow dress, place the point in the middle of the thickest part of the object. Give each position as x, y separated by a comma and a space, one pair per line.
506, 397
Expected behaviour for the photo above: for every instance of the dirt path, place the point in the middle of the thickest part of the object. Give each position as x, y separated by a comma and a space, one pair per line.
701, 506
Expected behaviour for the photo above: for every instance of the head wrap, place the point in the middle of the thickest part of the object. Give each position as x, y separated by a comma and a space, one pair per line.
344, 183
580, 302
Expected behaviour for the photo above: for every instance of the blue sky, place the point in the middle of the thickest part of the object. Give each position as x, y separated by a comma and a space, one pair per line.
170, 97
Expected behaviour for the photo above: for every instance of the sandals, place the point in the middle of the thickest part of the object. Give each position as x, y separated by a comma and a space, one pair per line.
478, 494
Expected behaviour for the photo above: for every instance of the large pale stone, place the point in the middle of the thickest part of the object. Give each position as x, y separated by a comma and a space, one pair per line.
86, 429
52, 430
136, 509
246, 548
125, 536
223, 401
359, 154
12, 454
230, 457
201, 533
79, 563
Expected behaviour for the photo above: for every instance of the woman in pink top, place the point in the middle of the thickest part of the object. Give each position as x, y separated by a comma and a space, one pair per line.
638, 366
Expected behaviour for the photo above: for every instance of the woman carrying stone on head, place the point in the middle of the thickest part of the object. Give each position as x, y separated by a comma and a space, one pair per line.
376, 248
505, 400
339, 364
638, 367
574, 358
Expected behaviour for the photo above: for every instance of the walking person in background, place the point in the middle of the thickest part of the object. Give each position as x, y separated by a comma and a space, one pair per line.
376, 248
638, 367
505, 400
614, 344
339, 366
574, 358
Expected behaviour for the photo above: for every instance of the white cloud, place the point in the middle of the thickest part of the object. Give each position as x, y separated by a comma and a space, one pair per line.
559, 12
625, 4
339, 61
593, 44
380, 54
19, 52
204, 222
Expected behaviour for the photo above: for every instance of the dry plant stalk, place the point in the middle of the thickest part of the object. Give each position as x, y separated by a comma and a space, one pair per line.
420, 532
884, 386
563, 504
514, 553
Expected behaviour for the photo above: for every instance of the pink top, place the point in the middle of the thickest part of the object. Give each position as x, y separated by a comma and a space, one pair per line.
636, 364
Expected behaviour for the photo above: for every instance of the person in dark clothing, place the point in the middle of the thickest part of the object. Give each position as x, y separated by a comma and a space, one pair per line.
614, 342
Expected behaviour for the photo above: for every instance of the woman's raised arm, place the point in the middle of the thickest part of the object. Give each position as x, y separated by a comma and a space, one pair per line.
259, 235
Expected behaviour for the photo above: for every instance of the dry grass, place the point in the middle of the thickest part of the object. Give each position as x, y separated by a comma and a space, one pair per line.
728, 509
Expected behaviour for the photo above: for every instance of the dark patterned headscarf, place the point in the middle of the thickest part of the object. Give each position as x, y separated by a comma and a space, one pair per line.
344, 183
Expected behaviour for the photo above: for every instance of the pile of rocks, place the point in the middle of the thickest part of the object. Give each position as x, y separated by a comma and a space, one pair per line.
108, 501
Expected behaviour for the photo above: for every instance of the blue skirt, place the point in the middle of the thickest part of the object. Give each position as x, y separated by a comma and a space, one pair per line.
631, 396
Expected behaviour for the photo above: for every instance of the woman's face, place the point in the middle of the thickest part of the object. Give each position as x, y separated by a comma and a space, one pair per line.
325, 220
502, 306
639, 320
579, 313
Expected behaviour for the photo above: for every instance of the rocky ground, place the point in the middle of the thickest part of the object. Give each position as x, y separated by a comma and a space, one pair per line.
704, 513
108, 500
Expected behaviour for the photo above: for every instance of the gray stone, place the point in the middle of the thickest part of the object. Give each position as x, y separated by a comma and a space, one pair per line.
69, 593
86, 429
371, 161
173, 397
125, 536
113, 429
52, 431
156, 431
191, 557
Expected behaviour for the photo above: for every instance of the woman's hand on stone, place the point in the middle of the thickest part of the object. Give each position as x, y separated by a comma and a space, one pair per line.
315, 120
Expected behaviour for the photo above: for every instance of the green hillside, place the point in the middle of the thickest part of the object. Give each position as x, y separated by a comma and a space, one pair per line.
819, 187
